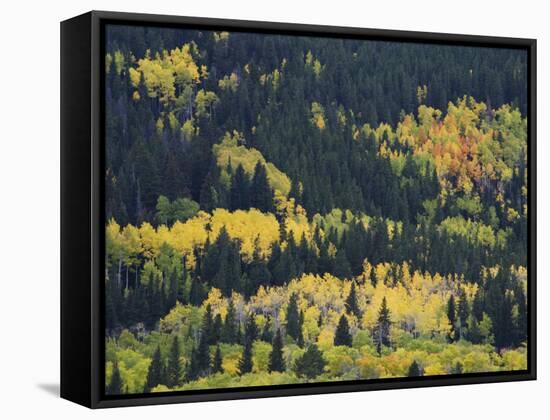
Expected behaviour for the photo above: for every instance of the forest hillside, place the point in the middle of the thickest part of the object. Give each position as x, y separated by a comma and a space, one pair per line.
291, 209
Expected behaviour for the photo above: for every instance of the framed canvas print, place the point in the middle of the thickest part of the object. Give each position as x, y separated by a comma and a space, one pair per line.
257, 209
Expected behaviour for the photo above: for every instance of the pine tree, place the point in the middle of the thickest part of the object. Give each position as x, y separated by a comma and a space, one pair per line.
196, 294
245, 362
293, 317
217, 362
217, 329
192, 370
474, 334
311, 364
352, 306
115, 386
478, 305
181, 295
173, 367
155, 373
203, 355
342, 336
520, 319
381, 333
342, 268
258, 273
451, 315
463, 313
261, 195
229, 330
276, 359
210, 190
240, 190
208, 325
415, 369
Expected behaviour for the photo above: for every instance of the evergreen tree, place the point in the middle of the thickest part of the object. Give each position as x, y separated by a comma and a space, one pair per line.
245, 362
217, 362
208, 326
293, 328
520, 318
473, 334
229, 330
181, 292
115, 386
173, 368
342, 268
276, 359
192, 371
342, 336
463, 313
155, 373
211, 191
261, 195
258, 273
196, 294
352, 306
451, 315
203, 356
216, 329
381, 333
311, 364
415, 369
240, 190
478, 305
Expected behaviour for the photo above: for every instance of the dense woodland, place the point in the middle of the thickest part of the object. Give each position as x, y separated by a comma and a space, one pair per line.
291, 209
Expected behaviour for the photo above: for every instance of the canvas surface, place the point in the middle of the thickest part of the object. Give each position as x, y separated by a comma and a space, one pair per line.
286, 210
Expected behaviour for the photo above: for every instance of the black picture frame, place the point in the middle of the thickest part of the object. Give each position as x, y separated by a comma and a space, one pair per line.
82, 209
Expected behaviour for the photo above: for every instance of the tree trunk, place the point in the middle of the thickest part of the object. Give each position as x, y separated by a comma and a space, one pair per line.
119, 271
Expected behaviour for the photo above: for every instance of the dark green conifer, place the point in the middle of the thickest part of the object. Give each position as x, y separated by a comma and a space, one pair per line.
352, 305
415, 369
229, 329
155, 373
342, 336
381, 333
293, 317
276, 359
311, 364
261, 194
217, 361
245, 362
115, 385
173, 367
451, 315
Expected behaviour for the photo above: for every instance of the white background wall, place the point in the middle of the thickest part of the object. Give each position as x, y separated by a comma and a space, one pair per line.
29, 208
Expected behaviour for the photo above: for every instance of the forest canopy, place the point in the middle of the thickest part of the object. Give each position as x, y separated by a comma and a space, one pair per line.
306, 209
